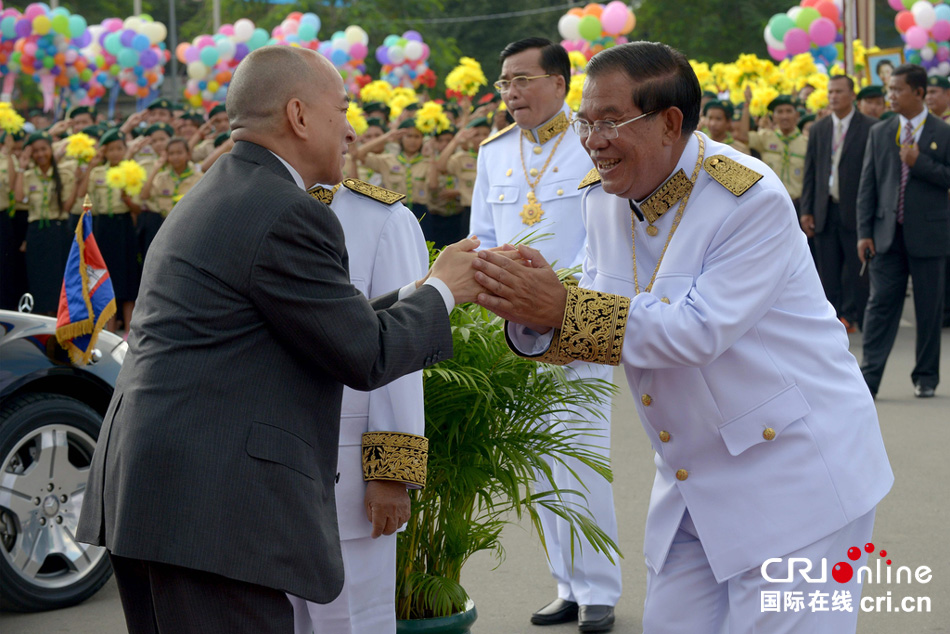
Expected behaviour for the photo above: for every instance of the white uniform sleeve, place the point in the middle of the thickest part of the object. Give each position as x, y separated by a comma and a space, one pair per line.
482, 224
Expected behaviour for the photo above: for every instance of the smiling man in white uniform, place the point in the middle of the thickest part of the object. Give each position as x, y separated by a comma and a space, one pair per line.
698, 280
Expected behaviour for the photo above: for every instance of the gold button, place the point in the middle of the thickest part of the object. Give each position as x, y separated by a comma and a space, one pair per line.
560, 192
554, 169
665, 436
501, 197
646, 399
533, 171
508, 173
682, 474
537, 149
665, 300
714, 161
768, 434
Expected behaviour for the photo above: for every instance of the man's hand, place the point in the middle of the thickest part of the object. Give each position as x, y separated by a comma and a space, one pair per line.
909, 154
387, 506
454, 267
527, 292
863, 245
808, 224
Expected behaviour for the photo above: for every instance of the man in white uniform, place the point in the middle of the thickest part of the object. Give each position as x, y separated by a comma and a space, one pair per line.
699, 281
386, 252
526, 184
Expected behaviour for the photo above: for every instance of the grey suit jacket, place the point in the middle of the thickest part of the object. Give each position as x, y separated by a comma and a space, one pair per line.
219, 449
815, 188
926, 206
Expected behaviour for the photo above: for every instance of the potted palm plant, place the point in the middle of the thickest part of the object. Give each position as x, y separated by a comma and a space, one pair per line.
486, 447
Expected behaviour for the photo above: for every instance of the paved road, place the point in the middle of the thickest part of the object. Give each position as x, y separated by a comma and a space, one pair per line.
911, 525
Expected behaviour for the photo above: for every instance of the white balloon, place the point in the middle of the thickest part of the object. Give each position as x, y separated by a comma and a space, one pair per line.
197, 70
397, 55
133, 22
413, 50
227, 49
771, 40
567, 26
924, 14
243, 30
944, 68
354, 34
926, 53
793, 13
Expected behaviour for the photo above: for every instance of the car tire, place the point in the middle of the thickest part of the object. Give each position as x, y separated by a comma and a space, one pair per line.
42, 567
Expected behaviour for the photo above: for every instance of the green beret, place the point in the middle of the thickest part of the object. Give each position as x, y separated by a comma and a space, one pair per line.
939, 81
177, 105
781, 100
888, 114
725, 106
197, 117
160, 127
408, 123
19, 135
38, 136
221, 138
710, 94
737, 115
412, 107
78, 110
454, 109
376, 106
804, 120
137, 131
218, 108
35, 112
94, 131
160, 104
115, 134
478, 122
870, 92
379, 123
449, 130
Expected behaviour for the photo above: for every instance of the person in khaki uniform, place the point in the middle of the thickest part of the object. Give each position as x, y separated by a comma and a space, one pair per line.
405, 172
442, 225
114, 223
782, 149
49, 192
351, 168
12, 224
718, 117
218, 123
171, 178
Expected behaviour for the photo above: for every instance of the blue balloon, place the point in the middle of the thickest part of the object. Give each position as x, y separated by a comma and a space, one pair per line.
829, 52
339, 57
140, 42
8, 27
390, 40
942, 11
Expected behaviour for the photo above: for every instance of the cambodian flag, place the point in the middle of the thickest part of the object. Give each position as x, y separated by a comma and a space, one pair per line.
86, 301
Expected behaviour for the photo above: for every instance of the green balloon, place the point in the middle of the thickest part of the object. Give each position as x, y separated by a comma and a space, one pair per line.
909, 3
60, 24
589, 28
779, 25
49, 62
805, 17
127, 58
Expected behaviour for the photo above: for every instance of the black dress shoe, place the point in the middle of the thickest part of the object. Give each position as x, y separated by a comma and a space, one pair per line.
557, 611
595, 618
923, 391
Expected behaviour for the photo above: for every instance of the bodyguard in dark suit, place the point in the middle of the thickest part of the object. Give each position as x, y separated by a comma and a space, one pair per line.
829, 198
904, 224
213, 481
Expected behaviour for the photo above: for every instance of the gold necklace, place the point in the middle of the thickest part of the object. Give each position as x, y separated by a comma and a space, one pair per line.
676, 223
532, 212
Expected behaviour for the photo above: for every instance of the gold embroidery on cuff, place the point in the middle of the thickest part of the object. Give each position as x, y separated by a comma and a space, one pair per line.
395, 456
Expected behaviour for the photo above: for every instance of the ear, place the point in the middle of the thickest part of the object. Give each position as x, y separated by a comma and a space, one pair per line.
296, 117
673, 125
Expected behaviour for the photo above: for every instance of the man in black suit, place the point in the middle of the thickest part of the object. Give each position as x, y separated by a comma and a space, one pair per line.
829, 197
904, 225
212, 484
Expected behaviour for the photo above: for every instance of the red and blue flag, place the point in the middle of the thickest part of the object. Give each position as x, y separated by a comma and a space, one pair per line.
86, 301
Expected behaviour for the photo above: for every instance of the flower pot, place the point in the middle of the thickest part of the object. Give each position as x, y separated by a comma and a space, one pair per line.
455, 624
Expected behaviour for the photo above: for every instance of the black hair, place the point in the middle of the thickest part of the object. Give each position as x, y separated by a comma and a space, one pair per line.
881, 64
914, 75
554, 59
843, 78
57, 179
661, 78
178, 139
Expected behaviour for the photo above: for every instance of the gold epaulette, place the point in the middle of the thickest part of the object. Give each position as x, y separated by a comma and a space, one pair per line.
498, 134
734, 176
593, 329
395, 457
593, 176
381, 194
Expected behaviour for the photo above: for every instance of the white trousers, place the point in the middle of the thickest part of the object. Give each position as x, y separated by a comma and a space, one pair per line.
685, 596
591, 579
367, 603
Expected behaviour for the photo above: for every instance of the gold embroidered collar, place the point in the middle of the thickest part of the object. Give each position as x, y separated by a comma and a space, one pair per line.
666, 195
323, 194
547, 131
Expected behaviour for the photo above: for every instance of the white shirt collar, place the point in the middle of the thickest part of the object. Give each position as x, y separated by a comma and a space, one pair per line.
687, 162
916, 121
846, 120
297, 178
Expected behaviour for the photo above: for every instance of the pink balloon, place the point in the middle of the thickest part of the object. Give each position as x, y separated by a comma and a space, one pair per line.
112, 24
614, 17
227, 29
33, 11
358, 51
941, 31
205, 40
916, 37
797, 41
943, 54
778, 54
897, 5
822, 32
425, 52
192, 54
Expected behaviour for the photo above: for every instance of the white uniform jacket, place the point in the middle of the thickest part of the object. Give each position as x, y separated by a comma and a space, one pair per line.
736, 344
386, 251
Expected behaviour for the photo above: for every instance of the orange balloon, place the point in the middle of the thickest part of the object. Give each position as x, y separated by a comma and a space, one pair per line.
575, 11
827, 9
180, 51
59, 59
62, 80
295, 16
223, 77
904, 20
80, 65
593, 9
3, 58
809, 3
631, 22
142, 91
19, 44
151, 78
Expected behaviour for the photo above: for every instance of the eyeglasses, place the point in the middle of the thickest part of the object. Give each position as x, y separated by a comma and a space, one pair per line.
520, 82
604, 129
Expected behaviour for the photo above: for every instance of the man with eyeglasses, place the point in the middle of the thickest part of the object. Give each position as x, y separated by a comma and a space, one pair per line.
526, 186
698, 280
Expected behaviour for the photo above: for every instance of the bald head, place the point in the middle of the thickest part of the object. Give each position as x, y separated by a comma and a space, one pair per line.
267, 79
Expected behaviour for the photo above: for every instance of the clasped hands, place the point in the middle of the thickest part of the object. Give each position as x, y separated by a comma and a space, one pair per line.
514, 282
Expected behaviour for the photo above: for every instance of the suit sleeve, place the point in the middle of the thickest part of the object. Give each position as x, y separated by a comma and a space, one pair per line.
867, 191
301, 286
811, 173
481, 223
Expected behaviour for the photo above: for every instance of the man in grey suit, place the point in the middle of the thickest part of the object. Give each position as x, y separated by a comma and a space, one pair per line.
829, 196
212, 484
904, 226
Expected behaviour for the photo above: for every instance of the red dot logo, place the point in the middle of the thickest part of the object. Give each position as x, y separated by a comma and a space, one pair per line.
854, 553
883, 553
842, 572
869, 547
888, 562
